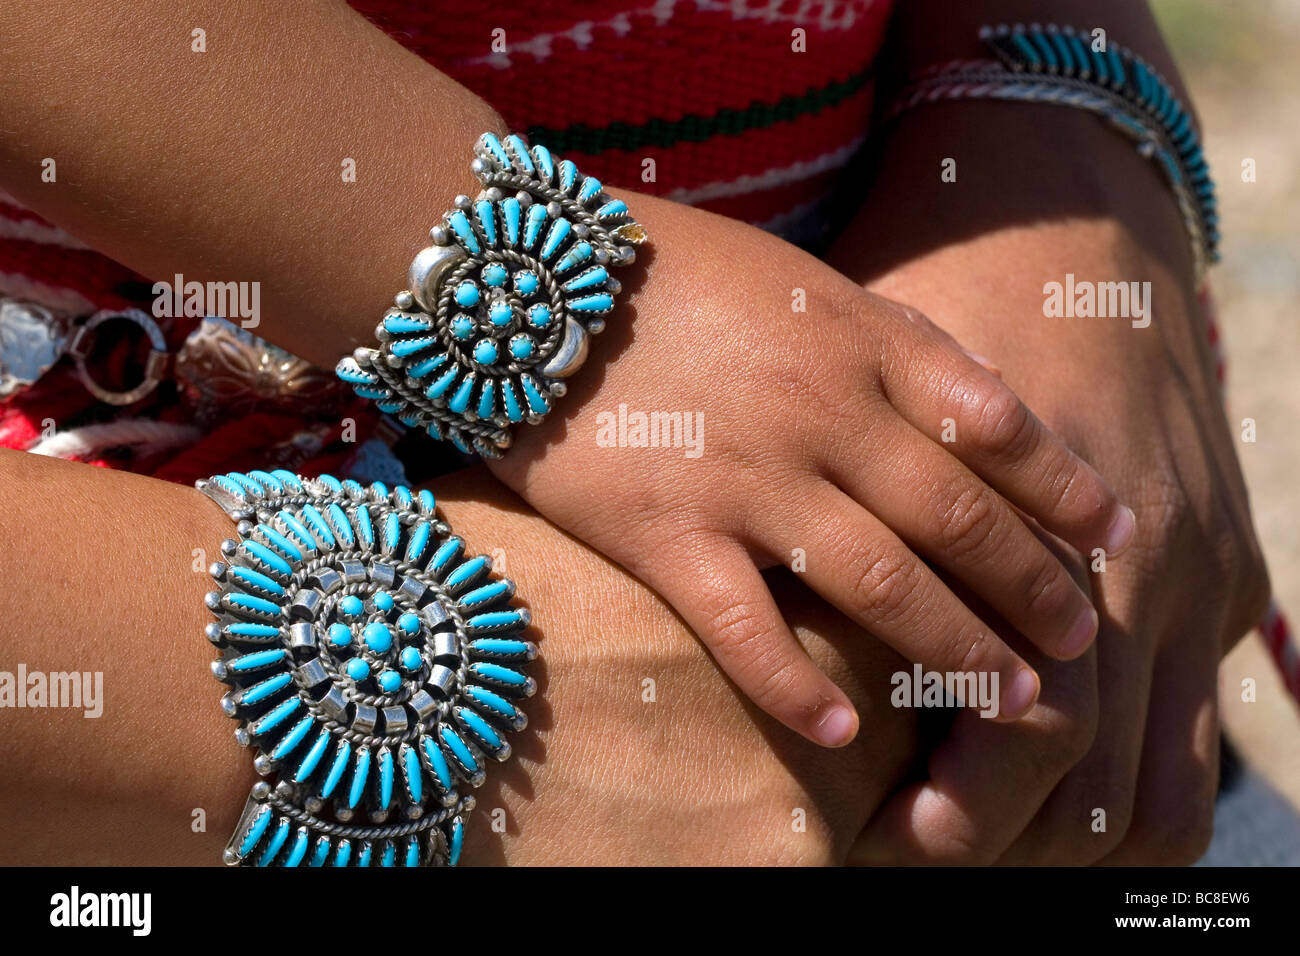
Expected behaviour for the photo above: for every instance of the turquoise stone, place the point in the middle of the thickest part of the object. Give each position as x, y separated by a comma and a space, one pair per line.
411, 659
467, 294
377, 637
498, 674
293, 738
438, 762
600, 302
555, 238
486, 593
460, 401
313, 758
462, 327
486, 220
459, 223
526, 282
255, 831
359, 774
500, 313
321, 852
278, 715
510, 213
444, 382
419, 541
411, 766
277, 841
389, 681
466, 572
385, 778
493, 702
357, 669
457, 747
487, 400
299, 848
521, 346
457, 842
264, 689
341, 756
587, 279
480, 728
257, 659
340, 635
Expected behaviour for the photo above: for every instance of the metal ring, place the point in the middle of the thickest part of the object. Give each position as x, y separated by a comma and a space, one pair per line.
155, 366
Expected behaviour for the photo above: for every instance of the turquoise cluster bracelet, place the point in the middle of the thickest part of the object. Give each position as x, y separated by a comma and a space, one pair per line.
373, 664
1058, 65
500, 308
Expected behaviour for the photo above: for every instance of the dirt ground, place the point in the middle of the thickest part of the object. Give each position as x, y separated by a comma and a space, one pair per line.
1240, 61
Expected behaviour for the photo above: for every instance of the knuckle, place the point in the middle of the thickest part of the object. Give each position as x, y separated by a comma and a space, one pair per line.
737, 626
1003, 425
968, 520
974, 652
884, 587
1047, 589
1077, 495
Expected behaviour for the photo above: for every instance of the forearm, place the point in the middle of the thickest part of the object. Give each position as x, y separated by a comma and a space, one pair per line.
227, 165
612, 769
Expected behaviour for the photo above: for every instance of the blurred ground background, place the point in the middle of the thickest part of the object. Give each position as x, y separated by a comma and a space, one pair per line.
1242, 63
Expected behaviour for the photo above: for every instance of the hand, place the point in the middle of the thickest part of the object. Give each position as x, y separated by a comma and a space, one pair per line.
1130, 729
822, 434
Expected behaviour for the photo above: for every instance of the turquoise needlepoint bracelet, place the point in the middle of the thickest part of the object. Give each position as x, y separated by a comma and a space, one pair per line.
373, 665
500, 308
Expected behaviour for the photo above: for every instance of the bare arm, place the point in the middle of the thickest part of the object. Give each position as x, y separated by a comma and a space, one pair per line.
98, 574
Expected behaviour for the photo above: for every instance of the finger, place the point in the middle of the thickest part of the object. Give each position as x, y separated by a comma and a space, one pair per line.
949, 515
946, 395
970, 808
857, 564
724, 599
1176, 786
1089, 813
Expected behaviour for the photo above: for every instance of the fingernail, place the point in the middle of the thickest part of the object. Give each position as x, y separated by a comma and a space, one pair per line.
1019, 695
1120, 532
837, 727
1080, 634
986, 362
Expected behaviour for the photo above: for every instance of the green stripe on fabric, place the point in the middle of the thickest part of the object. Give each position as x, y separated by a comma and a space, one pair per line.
691, 128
